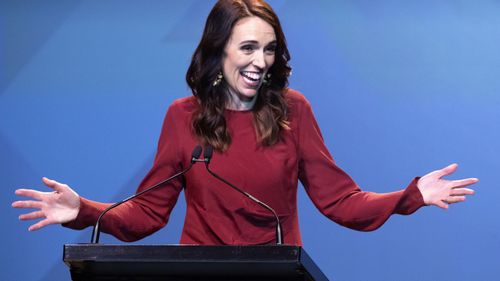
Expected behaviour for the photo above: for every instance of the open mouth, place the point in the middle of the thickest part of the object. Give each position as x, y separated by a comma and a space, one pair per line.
252, 78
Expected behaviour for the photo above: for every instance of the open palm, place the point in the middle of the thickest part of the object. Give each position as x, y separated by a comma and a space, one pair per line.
59, 206
442, 192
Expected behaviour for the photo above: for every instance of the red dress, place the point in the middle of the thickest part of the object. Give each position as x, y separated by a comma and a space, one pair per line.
218, 215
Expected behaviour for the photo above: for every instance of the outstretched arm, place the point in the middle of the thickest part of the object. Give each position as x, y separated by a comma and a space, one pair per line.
441, 192
134, 219
339, 198
59, 206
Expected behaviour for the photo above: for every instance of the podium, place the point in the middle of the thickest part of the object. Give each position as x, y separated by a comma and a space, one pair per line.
100, 262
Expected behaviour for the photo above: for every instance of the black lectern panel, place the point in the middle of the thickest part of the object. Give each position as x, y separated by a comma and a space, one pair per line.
96, 262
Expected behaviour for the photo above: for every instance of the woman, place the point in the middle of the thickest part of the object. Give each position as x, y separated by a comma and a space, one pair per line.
265, 139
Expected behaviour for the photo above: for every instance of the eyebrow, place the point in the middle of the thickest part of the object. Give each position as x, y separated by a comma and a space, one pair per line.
256, 42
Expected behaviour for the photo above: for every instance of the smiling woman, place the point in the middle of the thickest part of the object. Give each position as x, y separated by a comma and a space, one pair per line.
241, 63
242, 107
247, 58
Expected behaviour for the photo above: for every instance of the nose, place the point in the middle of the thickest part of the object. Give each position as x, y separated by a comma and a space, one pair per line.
259, 60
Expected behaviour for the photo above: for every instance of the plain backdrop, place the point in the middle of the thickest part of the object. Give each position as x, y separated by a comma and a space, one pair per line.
399, 88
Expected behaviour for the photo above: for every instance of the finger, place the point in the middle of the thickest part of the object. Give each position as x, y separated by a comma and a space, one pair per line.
454, 199
463, 182
442, 205
35, 194
27, 204
39, 225
448, 170
461, 191
57, 186
32, 216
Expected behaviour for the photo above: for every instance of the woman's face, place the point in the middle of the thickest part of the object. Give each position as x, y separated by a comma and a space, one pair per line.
248, 55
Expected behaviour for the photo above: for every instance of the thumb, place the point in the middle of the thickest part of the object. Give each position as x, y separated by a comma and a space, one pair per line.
57, 186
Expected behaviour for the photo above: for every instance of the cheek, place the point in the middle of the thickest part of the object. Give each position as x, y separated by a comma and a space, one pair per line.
270, 61
233, 64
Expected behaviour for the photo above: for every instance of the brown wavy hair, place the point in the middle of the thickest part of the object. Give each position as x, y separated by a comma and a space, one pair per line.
270, 109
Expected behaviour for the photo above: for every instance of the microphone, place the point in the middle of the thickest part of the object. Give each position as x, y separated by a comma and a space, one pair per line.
207, 155
194, 158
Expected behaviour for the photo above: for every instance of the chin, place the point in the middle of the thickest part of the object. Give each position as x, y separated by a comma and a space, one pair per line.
248, 93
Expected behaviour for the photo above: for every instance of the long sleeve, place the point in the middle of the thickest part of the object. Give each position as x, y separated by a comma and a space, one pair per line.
334, 193
144, 215
216, 215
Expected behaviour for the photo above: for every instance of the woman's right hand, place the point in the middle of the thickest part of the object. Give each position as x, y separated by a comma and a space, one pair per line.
59, 206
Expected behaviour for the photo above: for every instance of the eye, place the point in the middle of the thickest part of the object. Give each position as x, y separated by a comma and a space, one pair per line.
247, 48
271, 49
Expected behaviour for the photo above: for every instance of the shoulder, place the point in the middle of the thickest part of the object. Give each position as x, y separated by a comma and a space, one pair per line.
295, 97
177, 121
183, 106
297, 103
180, 111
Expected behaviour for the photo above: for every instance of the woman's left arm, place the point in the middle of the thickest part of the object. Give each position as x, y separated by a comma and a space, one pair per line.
339, 198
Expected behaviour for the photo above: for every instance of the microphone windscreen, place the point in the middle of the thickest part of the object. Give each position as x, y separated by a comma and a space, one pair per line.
209, 150
196, 152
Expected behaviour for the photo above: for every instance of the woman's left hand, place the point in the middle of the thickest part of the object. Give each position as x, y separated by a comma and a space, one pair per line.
441, 192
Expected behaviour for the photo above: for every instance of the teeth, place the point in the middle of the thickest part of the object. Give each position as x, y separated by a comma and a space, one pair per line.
251, 75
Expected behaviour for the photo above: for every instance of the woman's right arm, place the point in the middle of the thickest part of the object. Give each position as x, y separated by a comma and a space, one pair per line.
130, 221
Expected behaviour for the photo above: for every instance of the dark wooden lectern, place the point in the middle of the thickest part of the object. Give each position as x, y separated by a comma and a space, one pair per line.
182, 262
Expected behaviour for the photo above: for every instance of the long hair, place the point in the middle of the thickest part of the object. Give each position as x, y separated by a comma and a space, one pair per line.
270, 109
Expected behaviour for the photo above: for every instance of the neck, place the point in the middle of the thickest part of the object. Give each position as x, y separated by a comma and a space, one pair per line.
236, 103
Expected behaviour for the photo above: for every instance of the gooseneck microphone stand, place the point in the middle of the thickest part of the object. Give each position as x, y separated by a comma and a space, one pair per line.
207, 155
194, 158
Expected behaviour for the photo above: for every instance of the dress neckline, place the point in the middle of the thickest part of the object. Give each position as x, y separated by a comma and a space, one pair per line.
234, 111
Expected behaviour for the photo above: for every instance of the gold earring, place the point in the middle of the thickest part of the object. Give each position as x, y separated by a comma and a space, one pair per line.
218, 79
267, 79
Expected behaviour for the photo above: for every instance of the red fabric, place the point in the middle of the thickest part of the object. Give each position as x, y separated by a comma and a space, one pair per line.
219, 215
